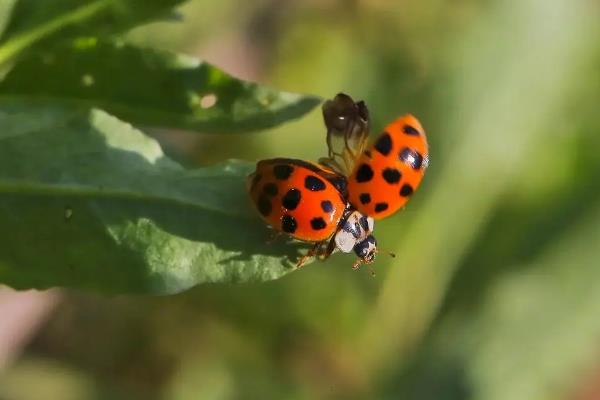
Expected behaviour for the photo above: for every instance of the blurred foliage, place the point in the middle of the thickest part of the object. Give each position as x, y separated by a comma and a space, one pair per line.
111, 212
493, 294
32, 24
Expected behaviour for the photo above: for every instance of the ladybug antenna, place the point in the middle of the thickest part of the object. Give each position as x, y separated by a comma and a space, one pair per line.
372, 272
389, 253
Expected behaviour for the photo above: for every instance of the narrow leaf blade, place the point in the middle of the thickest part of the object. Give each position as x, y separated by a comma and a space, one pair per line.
150, 87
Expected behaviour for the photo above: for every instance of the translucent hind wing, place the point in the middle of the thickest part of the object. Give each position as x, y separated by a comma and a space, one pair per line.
347, 125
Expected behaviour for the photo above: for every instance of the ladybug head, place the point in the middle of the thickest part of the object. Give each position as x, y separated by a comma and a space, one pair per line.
356, 233
366, 250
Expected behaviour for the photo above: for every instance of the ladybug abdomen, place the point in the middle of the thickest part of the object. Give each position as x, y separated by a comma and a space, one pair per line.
293, 197
386, 175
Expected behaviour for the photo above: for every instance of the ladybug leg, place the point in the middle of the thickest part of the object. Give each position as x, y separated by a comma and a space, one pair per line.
360, 262
311, 253
329, 250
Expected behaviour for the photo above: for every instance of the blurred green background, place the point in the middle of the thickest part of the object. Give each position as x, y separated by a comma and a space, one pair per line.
495, 290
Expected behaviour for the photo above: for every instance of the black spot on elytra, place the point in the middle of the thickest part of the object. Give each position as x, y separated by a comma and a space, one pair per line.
364, 173
384, 144
282, 171
291, 199
379, 207
364, 223
270, 189
327, 206
406, 190
410, 130
255, 180
264, 205
318, 223
391, 175
411, 157
288, 224
313, 183
365, 198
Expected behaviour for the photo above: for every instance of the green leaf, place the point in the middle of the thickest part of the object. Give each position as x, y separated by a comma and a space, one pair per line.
6, 9
150, 87
39, 22
90, 202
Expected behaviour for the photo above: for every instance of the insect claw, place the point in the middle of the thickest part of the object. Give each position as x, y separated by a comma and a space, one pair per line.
302, 261
313, 252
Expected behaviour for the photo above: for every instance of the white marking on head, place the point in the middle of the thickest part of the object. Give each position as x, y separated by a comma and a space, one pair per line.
371, 223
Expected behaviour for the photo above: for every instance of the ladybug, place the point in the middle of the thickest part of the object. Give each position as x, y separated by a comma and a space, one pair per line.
326, 203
